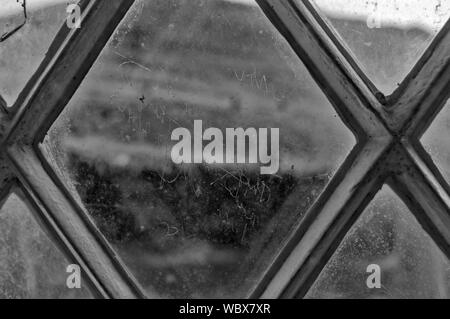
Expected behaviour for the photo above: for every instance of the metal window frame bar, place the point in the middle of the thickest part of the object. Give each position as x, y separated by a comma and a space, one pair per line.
388, 150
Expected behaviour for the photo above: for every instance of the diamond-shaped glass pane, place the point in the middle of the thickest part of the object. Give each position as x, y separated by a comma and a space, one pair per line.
196, 230
31, 266
22, 52
436, 141
386, 254
386, 37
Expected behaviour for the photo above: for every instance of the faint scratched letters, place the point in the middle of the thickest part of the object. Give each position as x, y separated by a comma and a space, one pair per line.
253, 80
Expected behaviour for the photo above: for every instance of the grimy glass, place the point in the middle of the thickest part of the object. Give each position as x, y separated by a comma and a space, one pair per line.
388, 151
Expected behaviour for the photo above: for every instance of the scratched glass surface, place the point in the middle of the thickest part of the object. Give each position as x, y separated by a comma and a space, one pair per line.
385, 37
22, 52
31, 266
195, 230
436, 141
388, 235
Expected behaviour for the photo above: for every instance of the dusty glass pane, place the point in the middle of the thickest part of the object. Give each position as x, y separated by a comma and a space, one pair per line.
436, 141
386, 37
31, 266
196, 230
23, 51
387, 235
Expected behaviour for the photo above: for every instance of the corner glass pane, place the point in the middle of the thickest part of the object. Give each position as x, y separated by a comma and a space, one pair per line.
386, 254
22, 52
385, 37
31, 266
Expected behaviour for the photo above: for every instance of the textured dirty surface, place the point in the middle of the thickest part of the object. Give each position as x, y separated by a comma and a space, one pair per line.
23, 50
31, 266
211, 230
437, 142
387, 38
388, 235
